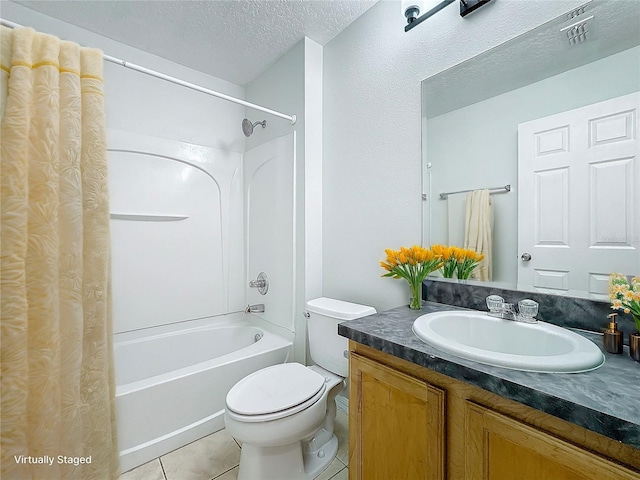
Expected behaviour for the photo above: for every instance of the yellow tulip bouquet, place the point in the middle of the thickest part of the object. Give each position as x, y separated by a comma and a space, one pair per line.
625, 295
413, 264
461, 261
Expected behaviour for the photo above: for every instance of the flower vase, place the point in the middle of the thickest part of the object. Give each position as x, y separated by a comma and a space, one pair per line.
634, 339
416, 296
634, 346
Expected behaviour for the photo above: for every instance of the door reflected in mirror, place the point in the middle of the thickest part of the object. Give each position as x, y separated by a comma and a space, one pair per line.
555, 116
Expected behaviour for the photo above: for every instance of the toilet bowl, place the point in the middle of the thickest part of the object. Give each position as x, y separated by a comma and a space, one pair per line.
284, 415
278, 427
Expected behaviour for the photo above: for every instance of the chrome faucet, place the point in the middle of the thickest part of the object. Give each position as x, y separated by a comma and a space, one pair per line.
507, 311
257, 308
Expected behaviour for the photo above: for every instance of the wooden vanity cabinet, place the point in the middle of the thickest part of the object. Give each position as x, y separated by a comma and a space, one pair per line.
408, 422
386, 409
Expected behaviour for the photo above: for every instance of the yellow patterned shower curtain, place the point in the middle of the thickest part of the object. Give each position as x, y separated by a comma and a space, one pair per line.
58, 394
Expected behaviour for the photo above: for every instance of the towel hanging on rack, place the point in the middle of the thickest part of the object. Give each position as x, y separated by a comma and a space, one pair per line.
478, 234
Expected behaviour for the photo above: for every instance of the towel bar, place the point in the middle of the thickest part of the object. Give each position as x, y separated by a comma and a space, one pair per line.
505, 189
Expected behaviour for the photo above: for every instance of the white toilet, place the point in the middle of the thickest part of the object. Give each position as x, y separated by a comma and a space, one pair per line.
283, 415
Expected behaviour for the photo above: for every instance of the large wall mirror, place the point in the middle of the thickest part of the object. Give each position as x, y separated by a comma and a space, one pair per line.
553, 114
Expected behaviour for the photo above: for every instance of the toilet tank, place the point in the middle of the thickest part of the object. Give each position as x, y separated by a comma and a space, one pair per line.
326, 347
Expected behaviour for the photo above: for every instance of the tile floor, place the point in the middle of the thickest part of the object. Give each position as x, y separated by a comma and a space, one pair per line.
217, 457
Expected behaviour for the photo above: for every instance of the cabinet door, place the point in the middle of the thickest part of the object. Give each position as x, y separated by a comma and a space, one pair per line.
396, 424
500, 448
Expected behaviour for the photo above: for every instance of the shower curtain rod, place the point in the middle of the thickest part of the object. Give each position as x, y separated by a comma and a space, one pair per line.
177, 81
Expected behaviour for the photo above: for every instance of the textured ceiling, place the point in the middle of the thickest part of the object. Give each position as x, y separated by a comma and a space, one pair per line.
235, 40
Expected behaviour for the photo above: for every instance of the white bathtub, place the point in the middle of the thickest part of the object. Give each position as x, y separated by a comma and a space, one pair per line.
172, 381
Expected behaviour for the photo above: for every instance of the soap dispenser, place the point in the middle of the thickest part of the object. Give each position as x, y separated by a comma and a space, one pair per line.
612, 336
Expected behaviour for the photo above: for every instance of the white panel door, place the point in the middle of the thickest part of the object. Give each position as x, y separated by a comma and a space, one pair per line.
579, 198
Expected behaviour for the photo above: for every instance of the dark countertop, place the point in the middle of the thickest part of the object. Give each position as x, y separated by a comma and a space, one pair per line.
605, 400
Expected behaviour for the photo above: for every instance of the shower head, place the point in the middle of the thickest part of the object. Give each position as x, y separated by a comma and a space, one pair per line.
247, 126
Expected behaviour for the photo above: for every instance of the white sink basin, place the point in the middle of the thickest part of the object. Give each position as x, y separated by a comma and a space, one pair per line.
537, 347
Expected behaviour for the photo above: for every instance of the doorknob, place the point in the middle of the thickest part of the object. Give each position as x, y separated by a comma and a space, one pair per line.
525, 257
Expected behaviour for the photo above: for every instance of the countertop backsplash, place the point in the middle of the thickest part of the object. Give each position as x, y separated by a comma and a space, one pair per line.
560, 310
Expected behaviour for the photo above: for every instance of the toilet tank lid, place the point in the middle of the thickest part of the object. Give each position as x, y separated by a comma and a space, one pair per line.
338, 308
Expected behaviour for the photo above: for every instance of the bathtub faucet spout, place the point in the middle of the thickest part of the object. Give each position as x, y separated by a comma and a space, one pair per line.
257, 308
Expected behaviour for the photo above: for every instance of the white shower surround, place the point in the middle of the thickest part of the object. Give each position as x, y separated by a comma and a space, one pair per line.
186, 260
180, 215
269, 186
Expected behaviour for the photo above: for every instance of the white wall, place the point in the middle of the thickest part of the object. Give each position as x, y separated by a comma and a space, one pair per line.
372, 131
313, 168
140, 103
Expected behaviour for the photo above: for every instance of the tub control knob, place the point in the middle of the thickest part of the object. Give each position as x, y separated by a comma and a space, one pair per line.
261, 283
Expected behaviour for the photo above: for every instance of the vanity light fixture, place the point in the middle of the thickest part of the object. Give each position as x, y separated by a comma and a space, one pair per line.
468, 6
417, 11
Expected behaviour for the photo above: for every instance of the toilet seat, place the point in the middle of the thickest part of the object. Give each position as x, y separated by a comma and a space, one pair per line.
275, 392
